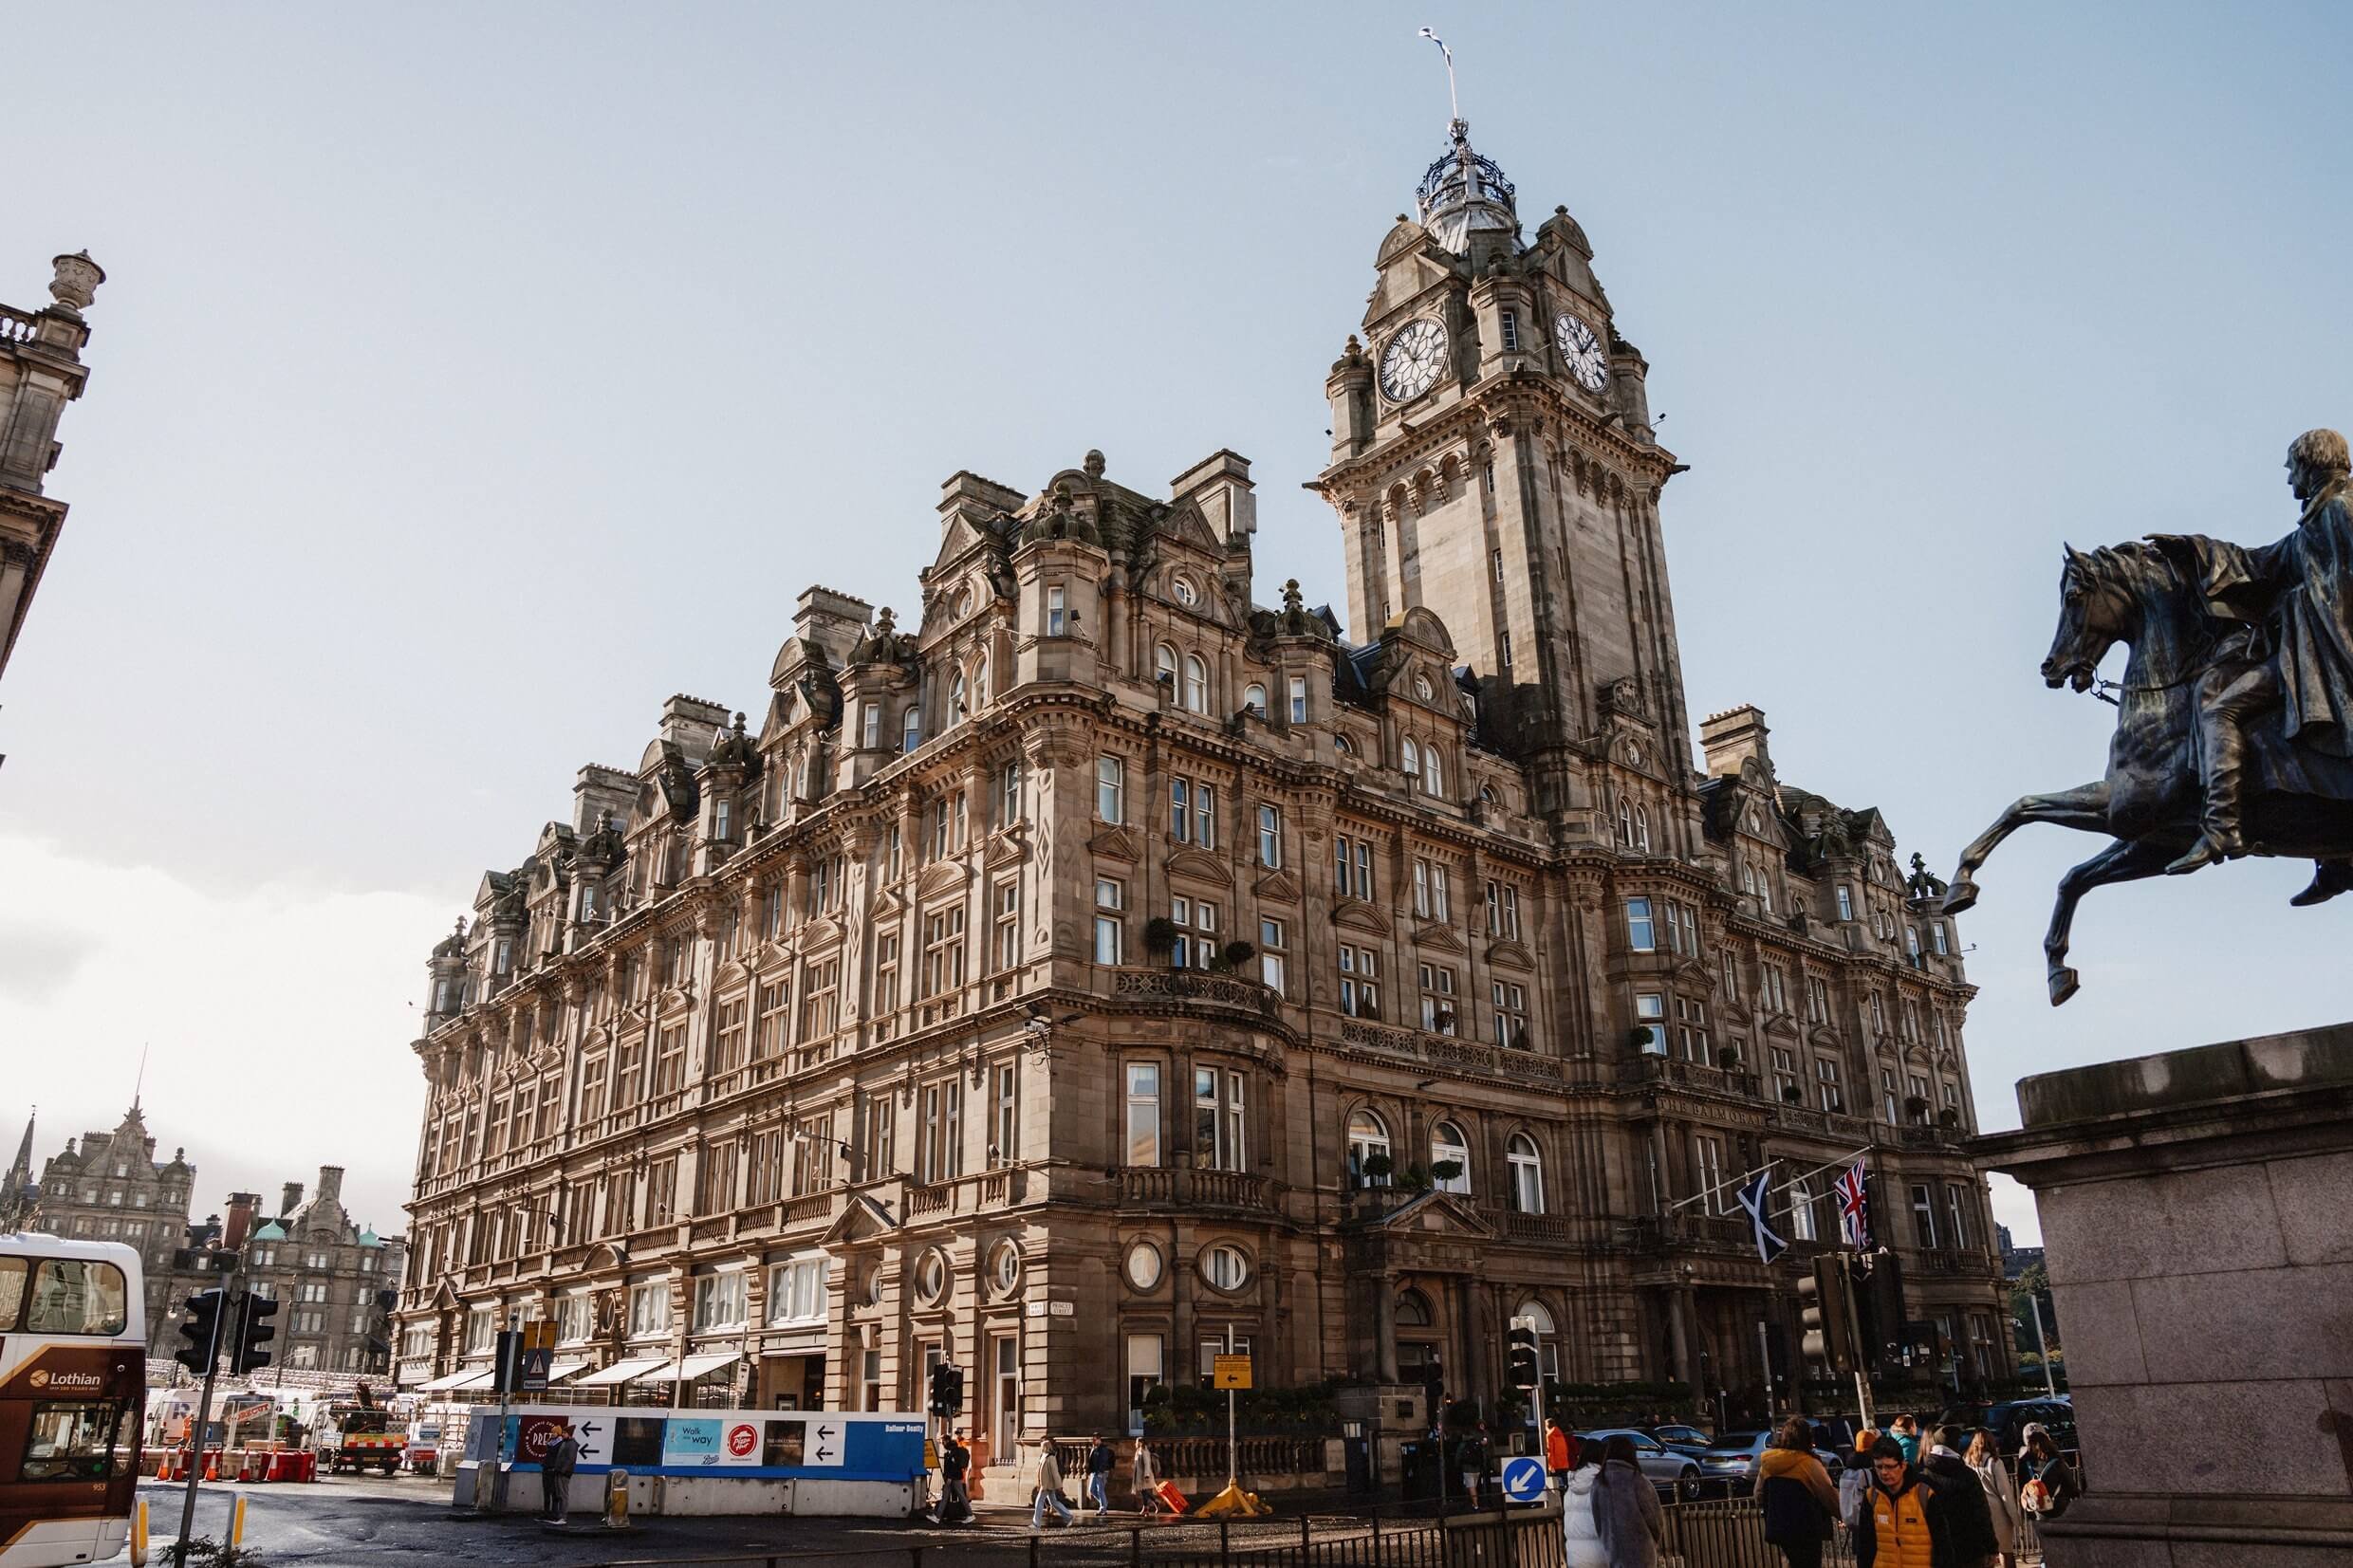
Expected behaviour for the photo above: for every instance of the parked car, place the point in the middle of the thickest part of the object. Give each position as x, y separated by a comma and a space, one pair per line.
1688, 1440
2009, 1419
1729, 1464
1676, 1475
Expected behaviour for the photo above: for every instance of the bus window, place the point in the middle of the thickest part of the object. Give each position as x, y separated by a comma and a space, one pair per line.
76, 1296
12, 1271
71, 1442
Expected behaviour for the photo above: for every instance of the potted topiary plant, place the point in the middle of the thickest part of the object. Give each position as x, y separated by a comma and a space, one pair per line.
1792, 1094
1446, 1170
1235, 955
1728, 1059
1160, 934
1378, 1168
1948, 1118
1916, 1106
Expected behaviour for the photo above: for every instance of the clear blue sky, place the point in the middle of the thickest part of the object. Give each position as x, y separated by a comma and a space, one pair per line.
470, 378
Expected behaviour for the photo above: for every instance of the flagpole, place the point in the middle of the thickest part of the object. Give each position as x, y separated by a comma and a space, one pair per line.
1746, 1176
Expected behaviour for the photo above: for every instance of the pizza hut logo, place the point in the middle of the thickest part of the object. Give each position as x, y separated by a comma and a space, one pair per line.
740, 1439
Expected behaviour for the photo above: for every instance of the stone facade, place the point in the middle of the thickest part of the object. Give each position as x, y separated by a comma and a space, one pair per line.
1103, 966
109, 1187
2194, 1210
40, 372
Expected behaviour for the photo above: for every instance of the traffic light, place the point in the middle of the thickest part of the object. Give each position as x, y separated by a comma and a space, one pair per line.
1879, 1301
254, 1331
1520, 1347
1824, 1315
201, 1329
946, 1390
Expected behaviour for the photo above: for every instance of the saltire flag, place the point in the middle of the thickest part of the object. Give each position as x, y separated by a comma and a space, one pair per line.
1751, 1196
1854, 1206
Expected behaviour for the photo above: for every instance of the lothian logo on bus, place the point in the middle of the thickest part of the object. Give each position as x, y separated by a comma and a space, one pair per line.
67, 1383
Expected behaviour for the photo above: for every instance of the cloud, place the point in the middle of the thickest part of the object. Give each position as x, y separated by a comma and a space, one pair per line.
275, 1019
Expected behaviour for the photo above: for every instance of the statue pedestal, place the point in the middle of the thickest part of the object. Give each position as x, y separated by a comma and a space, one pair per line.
2198, 1221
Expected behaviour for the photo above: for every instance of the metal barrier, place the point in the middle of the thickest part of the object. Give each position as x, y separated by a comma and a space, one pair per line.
1730, 1533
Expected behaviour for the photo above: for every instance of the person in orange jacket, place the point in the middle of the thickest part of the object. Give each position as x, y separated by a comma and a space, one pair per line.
1561, 1450
1898, 1528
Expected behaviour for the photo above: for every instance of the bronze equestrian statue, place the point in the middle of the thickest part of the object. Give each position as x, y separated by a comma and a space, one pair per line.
2235, 718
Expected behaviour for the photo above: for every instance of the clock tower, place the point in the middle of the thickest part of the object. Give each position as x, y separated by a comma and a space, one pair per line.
1493, 461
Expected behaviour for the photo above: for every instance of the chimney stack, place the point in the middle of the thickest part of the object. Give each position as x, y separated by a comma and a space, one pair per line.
240, 1223
289, 1198
330, 1186
1731, 737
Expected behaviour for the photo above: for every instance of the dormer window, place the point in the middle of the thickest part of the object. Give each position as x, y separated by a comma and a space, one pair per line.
1057, 611
722, 818
1510, 332
872, 734
1299, 699
1186, 593
911, 729
1255, 699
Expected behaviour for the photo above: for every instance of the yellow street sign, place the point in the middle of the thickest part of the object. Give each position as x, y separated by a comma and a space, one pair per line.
931, 1455
1230, 1372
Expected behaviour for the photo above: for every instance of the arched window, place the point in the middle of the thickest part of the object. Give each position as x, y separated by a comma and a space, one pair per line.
980, 681
1369, 1141
911, 729
1642, 827
1164, 668
956, 699
1344, 746
1527, 1174
1413, 1310
1409, 757
1801, 1210
1433, 772
1255, 699
1196, 684
1449, 1146
1625, 822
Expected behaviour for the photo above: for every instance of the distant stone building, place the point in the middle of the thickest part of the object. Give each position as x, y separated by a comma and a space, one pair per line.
1106, 968
109, 1187
40, 372
331, 1276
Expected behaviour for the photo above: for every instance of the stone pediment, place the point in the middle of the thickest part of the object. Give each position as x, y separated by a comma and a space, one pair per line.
1511, 953
1279, 885
1200, 867
729, 974
942, 878
1438, 937
1781, 1025
862, 1220
1356, 914
1117, 844
1433, 1213
444, 1298
1009, 846
824, 931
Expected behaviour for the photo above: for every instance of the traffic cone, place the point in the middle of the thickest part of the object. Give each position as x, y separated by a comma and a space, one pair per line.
212, 1464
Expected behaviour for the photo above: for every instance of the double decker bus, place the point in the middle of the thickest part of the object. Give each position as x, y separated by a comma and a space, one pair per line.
73, 1382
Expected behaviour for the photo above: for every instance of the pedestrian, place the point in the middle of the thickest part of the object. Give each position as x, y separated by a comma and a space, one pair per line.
1627, 1515
1907, 1432
1049, 1488
1100, 1460
1145, 1477
1984, 1455
1561, 1447
555, 1472
1897, 1527
1796, 1492
1580, 1534
2047, 1482
1471, 1459
1855, 1483
955, 1460
1970, 1541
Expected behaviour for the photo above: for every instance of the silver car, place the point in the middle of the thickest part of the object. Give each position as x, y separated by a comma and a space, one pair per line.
1676, 1475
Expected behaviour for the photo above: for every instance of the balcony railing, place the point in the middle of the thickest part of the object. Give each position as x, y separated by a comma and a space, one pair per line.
1449, 1051
1174, 984
1693, 1075
1154, 1186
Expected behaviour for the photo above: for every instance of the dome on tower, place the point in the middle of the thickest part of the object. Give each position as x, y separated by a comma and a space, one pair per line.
1464, 193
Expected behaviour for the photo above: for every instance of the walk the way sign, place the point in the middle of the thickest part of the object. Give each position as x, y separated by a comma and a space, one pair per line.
1523, 1480
762, 1445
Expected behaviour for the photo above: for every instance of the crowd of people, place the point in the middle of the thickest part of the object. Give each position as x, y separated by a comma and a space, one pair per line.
1944, 1498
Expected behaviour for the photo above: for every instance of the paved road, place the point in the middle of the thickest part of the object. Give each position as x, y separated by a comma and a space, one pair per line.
364, 1521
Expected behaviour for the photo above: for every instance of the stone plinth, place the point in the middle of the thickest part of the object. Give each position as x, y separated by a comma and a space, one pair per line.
2197, 1217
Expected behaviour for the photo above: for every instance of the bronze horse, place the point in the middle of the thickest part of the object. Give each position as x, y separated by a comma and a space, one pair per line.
2300, 804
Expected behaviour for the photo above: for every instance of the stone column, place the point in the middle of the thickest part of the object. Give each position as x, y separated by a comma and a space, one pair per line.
1384, 1326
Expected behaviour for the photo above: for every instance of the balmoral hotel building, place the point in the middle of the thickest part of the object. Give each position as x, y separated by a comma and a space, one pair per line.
1098, 964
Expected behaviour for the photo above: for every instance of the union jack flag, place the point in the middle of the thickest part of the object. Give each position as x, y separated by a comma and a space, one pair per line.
1854, 1206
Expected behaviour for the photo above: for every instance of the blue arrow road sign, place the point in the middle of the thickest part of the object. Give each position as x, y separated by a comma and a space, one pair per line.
1523, 1479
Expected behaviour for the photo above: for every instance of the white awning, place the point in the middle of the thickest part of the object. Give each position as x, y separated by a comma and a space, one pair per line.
562, 1370
462, 1377
692, 1367
620, 1372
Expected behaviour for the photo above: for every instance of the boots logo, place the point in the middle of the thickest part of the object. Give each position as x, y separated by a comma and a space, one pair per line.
46, 1381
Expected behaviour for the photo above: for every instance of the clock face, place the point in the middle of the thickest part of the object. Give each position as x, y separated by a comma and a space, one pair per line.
1410, 365
1582, 351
